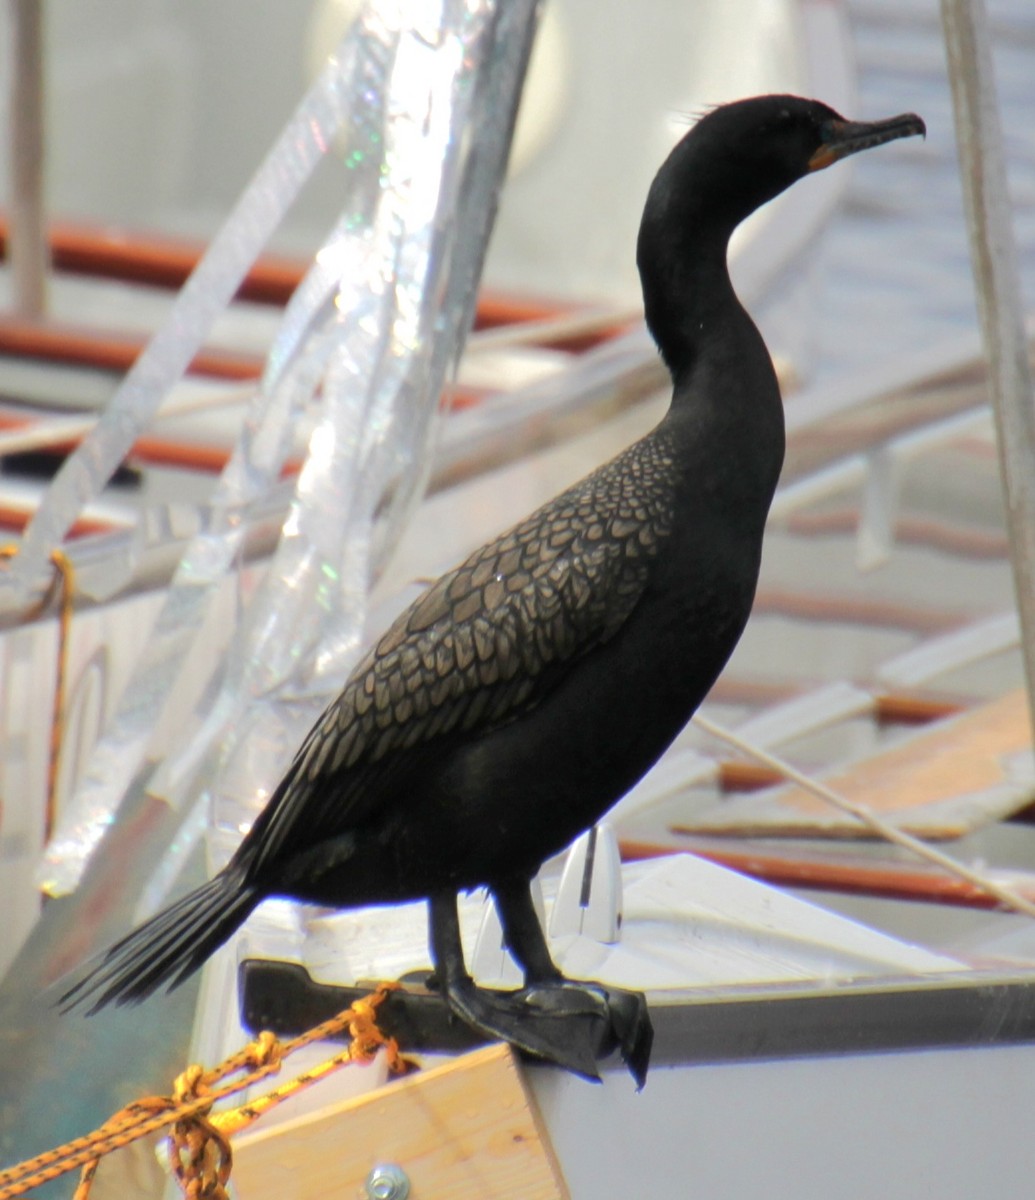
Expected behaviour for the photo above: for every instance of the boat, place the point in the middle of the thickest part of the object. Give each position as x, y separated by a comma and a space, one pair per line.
801, 1011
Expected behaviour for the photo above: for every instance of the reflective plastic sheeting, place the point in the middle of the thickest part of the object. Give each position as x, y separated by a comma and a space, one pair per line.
421, 100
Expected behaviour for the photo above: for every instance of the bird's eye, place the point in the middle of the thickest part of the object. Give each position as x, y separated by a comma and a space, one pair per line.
776, 123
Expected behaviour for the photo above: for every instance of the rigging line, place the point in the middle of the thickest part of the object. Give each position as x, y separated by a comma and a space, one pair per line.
892, 833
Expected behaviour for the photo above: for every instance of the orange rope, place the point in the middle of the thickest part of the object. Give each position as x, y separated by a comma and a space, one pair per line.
200, 1153
57, 725
66, 581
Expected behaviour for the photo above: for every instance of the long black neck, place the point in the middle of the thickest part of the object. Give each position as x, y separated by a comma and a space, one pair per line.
689, 301
721, 370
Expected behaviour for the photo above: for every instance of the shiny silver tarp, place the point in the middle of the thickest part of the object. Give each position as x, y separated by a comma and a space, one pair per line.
420, 98
367, 340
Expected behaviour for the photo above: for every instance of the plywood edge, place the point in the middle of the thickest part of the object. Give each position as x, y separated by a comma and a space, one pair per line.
466, 1130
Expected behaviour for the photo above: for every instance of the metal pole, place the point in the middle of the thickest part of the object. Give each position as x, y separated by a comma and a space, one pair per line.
994, 261
27, 247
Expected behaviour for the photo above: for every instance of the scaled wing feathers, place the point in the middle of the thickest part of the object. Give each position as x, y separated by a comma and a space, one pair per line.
483, 645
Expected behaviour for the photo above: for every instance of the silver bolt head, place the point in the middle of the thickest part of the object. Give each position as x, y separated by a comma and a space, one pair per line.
388, 1181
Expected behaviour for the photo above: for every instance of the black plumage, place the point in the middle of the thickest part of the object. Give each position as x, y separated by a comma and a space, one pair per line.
510, 706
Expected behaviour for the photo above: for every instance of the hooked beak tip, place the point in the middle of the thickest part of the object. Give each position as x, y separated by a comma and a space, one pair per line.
843, 138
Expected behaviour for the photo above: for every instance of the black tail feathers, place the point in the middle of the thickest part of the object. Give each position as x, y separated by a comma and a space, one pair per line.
166, 949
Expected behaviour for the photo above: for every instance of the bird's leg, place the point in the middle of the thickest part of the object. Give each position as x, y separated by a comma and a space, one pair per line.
523, 932
569, 1040
624, 1013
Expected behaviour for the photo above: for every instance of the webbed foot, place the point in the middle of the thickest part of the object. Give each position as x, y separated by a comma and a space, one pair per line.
572, 1024
622, 1017
564, 1022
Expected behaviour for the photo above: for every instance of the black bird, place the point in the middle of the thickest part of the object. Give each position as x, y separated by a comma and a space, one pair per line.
515, 701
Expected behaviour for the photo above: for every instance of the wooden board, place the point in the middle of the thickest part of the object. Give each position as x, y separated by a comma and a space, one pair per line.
956, 776
464, 1131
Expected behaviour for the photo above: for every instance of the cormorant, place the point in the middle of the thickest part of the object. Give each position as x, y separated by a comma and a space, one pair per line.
518, 698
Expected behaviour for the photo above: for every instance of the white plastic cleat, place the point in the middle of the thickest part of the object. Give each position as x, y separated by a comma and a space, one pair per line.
589, 896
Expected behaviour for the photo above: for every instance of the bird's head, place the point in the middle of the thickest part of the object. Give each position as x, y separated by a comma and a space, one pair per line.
740, 155
736, 158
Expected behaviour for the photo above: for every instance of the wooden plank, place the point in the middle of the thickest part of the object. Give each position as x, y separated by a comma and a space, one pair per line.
830, 868
956, 776
467, 1130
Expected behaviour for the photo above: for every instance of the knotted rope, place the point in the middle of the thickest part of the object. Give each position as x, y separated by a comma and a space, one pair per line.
199, 1148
